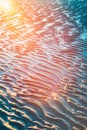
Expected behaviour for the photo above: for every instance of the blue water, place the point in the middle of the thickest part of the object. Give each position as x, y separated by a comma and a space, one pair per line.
43, 65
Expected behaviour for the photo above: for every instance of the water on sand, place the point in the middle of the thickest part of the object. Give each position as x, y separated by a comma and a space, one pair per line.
43, 66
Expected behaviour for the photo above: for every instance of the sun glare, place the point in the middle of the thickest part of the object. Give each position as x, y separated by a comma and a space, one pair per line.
5, 5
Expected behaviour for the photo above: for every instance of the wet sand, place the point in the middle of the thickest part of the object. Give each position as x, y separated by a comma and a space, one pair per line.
43, 68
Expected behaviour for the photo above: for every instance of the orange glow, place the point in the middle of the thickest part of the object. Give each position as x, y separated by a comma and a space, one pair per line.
5, 5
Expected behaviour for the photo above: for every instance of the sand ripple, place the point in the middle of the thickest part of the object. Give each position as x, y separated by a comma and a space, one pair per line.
43, 68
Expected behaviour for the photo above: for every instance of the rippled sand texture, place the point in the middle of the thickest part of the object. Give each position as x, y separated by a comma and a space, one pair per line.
43, 68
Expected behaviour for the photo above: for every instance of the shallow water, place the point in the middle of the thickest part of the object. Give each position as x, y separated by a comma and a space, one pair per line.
43, 65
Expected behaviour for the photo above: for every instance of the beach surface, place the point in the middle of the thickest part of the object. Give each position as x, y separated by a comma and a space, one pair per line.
43, 65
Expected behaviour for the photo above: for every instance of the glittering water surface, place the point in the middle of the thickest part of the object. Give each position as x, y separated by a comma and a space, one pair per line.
43, 65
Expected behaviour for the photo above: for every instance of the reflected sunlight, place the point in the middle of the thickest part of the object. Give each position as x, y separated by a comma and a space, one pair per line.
5, 5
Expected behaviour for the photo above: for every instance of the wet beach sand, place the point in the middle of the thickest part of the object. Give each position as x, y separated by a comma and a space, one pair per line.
43, 65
